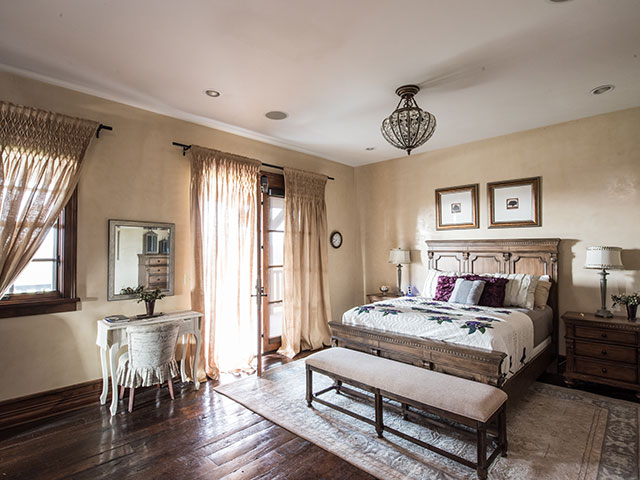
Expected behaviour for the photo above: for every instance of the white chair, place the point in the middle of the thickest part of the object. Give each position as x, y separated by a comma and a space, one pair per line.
150, 359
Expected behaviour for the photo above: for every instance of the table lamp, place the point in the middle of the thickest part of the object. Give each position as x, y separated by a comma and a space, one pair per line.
603, 258
399, 256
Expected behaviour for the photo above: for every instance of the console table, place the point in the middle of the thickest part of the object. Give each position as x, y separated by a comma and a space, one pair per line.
113, 336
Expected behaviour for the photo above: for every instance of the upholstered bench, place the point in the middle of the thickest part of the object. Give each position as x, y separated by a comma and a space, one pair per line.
476, 405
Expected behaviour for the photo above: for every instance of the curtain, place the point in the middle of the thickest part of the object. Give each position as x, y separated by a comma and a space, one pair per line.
307, 311
42, 154
224, 204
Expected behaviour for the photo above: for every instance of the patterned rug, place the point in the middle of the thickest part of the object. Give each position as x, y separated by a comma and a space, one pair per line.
554, 433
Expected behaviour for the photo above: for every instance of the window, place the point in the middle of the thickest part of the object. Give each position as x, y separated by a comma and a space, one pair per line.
48, 282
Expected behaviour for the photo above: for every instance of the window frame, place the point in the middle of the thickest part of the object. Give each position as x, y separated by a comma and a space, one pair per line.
64, 298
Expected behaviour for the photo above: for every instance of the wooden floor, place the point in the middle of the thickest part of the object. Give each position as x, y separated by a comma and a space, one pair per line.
198, 435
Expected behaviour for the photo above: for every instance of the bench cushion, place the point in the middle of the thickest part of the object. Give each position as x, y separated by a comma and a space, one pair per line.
460, 396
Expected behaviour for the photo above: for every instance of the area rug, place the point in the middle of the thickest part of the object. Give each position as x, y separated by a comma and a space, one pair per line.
554, 433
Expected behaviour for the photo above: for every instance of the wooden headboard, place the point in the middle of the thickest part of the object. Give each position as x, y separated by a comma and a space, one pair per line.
536, 256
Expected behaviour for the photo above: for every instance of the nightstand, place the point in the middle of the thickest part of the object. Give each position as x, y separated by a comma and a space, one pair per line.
602, 350
378, 297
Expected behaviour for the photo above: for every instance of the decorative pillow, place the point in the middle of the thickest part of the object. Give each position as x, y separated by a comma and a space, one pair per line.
520, 290
467, 292
541, 294
444, 288
431, 282
494, 290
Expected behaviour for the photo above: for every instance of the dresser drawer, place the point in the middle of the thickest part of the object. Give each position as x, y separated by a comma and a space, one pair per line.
152, 261
604, 351
161, 270
157, 281
615, 336
623, 373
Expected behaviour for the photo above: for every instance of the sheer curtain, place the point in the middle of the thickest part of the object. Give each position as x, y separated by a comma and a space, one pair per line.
307, 311
42, 154
224, 204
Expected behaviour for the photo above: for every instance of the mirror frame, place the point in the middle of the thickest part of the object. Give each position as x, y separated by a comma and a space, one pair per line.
111, 295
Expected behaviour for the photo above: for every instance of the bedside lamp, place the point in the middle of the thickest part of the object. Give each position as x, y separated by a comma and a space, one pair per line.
603, 258
399, 256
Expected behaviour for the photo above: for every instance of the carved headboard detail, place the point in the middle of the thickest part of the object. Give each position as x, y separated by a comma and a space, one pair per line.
536, 256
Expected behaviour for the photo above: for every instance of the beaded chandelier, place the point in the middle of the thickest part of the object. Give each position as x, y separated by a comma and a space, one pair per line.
408, 126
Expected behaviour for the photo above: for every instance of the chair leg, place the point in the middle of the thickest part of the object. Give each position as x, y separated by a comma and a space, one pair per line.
170, 383
131, 393
121, 392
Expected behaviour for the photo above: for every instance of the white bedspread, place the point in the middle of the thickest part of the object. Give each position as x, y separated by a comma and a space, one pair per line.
498, 329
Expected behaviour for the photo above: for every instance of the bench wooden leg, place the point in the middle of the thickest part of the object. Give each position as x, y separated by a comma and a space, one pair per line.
405, 409
482, 451
379, 421
309, 386
502, 430
338, 385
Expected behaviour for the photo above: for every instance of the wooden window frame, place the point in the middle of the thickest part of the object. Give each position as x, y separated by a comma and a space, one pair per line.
64, 299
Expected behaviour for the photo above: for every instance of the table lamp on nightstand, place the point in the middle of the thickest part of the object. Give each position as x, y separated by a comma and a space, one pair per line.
399, 256
603, 258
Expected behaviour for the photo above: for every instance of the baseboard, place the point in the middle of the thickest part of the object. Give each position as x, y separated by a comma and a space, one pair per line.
52, 402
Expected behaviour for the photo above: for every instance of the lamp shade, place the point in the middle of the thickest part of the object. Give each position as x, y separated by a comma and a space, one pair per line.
603, 257
399, 256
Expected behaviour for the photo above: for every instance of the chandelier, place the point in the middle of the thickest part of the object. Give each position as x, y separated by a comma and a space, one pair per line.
408, 126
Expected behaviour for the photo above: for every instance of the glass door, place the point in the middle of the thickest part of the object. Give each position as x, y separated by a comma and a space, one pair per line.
272, 261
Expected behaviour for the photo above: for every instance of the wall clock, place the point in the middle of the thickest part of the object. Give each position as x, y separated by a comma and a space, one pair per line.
336, 239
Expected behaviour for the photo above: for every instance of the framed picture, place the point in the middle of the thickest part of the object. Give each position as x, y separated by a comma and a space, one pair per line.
514, 203
457, 207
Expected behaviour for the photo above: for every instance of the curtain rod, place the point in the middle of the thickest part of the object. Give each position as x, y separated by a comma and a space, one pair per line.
187, 147
102, 127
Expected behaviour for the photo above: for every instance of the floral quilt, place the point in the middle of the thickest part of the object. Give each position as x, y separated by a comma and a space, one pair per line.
497, 329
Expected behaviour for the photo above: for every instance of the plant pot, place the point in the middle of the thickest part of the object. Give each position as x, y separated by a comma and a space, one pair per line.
150, 306
631, 311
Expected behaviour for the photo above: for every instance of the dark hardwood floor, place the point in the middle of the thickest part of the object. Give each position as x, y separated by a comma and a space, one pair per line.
198, 435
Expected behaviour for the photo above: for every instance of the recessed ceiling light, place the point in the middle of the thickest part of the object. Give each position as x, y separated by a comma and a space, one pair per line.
368, 149
212, 93
602, 89
276, 115
557, 1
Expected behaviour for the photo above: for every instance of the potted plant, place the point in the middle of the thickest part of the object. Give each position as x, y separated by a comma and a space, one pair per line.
630, 301
149, 297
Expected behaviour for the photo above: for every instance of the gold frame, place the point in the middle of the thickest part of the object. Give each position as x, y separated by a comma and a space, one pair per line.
473, 188
535, 183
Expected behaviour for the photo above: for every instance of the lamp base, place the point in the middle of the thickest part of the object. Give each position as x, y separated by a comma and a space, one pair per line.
603, 312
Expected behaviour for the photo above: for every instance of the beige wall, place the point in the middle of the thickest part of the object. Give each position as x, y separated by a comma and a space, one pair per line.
590, 171
134, 173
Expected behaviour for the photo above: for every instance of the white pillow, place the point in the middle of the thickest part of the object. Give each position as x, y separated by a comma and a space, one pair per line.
541, 294
520, 289
431, 282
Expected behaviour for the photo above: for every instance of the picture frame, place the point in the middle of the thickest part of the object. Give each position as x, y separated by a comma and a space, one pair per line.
457, 207
514, 203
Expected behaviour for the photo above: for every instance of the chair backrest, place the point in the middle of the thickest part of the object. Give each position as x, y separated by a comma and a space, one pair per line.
153, 345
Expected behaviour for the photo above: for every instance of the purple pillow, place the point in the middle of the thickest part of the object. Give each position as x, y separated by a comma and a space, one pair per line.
493, 293
444, 288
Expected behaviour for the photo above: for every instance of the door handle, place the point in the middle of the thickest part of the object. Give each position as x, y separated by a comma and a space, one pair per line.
261, 294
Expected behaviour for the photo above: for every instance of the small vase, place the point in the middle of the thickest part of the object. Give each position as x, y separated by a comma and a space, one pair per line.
631, 311
150, 306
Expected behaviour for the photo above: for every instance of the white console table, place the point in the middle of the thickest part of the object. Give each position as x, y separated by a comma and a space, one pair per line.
113, 336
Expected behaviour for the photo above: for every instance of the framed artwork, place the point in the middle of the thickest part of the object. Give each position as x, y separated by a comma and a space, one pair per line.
514, 203
457, 207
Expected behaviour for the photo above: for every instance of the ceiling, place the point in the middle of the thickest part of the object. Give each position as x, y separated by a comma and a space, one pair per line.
485, 68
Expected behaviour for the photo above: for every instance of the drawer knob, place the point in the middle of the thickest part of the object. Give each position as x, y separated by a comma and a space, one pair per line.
604, 370
604, 335
604, 352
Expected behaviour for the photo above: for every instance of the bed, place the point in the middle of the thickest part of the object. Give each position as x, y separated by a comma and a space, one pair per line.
480, 359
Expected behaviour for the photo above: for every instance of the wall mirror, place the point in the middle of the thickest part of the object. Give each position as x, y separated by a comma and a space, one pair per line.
140, 253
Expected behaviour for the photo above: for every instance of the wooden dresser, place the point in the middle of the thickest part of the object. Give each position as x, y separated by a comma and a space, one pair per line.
602, 350
153, 271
